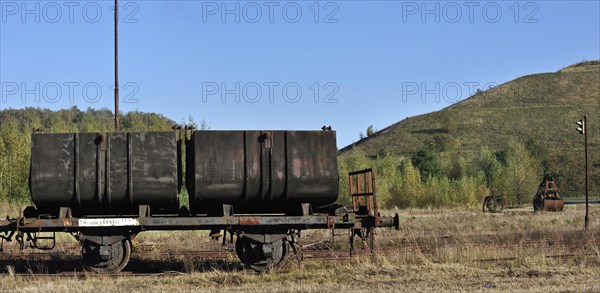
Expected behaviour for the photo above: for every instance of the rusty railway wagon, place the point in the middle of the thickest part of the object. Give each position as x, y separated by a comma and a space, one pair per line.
264, 187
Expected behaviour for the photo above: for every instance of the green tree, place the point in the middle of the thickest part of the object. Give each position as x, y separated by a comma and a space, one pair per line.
438, 193
458, 168
14, 161
522, 173
407, 190
491, 167
470, 191
355, 160
370, 130
387, 173
541, 153
440, 143
426, 162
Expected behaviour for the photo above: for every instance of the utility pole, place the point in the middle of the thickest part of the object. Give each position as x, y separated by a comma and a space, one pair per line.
117, 126
583, 130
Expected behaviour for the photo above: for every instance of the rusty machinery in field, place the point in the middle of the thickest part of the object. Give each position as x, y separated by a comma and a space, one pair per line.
264, 187
493, 203
548, 196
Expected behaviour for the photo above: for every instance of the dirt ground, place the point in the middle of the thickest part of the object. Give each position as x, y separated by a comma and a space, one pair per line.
445, 250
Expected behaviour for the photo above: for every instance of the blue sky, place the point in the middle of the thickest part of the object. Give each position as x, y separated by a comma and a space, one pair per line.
284, 65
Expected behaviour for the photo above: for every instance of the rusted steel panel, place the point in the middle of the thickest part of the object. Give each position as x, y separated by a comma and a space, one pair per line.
194, 223
112, 173
330, 222
554, 205
52, 161
293, 220
184, 222
261, 171
312, 166
249, 221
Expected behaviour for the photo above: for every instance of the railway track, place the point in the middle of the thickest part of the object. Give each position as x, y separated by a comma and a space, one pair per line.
338, 255
148, 260
169, 256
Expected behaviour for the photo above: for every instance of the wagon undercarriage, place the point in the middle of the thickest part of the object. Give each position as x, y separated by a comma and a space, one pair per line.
262, 241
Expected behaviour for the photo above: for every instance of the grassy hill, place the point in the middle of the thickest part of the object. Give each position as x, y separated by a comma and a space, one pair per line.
542, 108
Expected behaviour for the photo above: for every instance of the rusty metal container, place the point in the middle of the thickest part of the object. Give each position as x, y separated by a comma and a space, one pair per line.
548, 196
554, 204
260, 171
105, 173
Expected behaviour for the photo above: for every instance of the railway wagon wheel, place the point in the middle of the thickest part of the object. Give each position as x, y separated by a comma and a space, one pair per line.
260, 256
117, 258
486, 201
493, 204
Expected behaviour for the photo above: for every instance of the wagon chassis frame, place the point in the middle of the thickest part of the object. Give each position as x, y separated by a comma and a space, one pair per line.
263, 240
173, 223
251, 230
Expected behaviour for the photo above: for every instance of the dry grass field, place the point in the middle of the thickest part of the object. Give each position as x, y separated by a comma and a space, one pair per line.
436, 250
